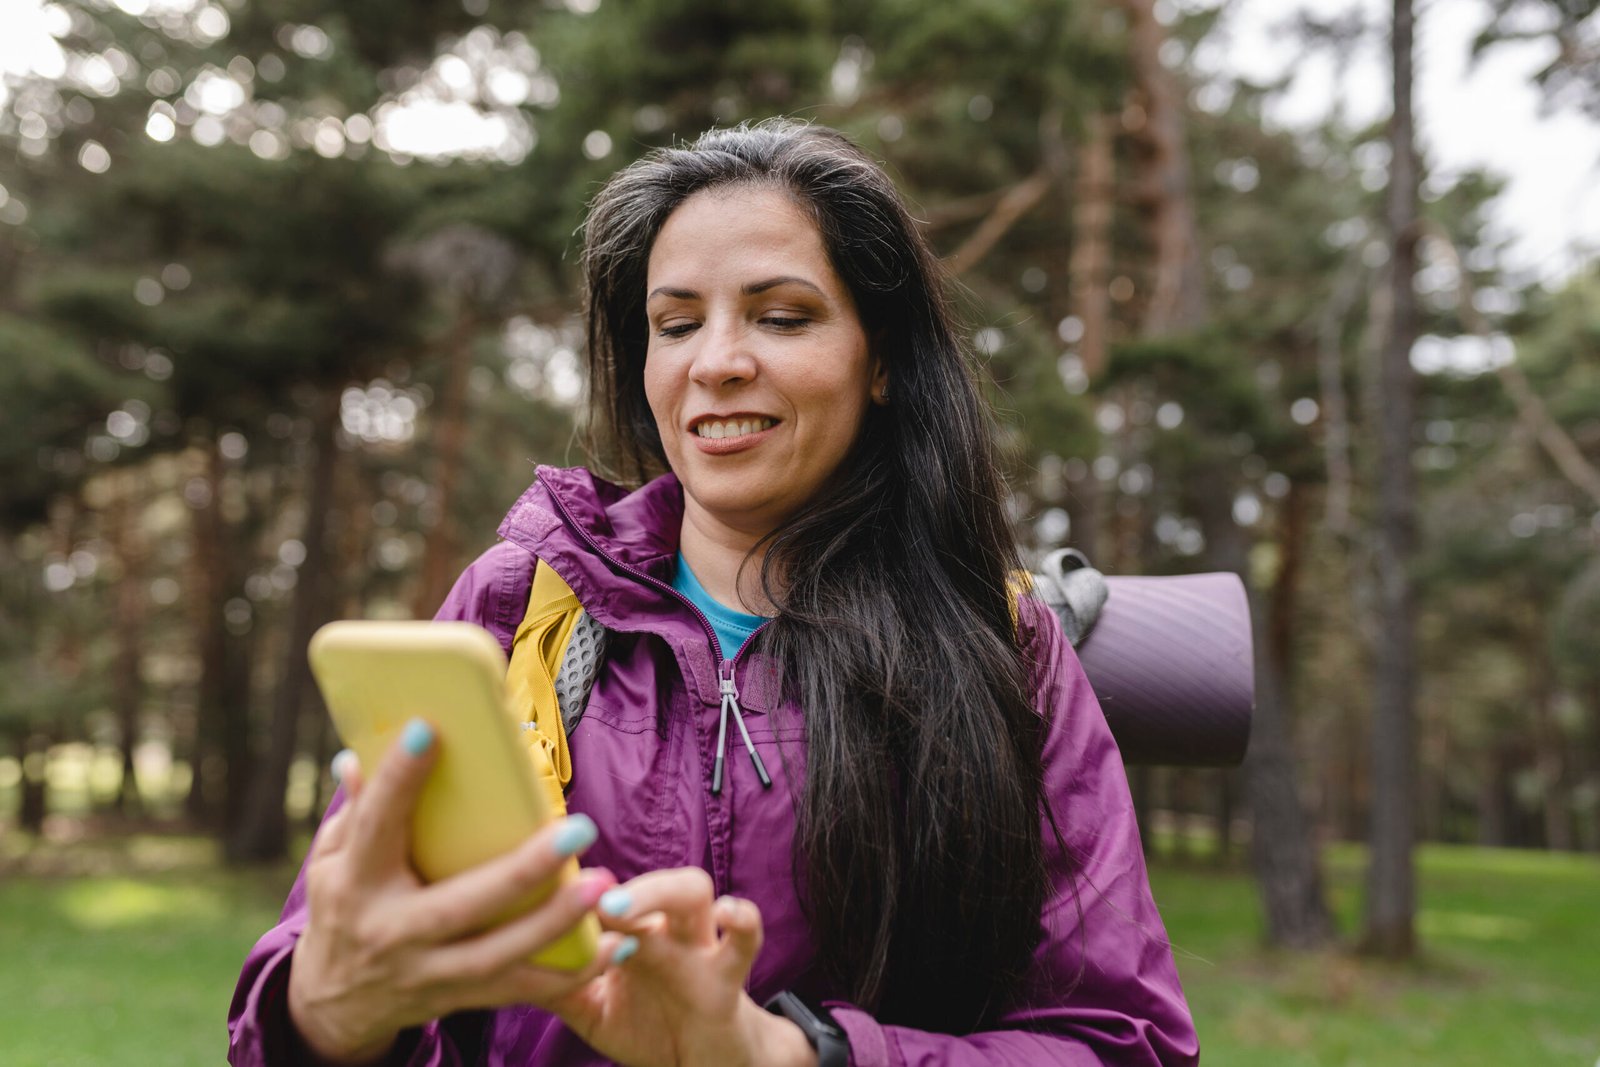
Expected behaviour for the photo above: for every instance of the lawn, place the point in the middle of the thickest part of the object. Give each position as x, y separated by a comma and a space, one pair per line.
124, 951
1510, 972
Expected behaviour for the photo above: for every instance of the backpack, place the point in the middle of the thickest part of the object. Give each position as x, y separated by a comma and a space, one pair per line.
558, 648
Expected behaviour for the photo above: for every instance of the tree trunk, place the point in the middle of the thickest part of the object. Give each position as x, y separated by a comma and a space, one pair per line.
1177, 291
237, 761
218, 793
122, 518
1389, 929
208, 537
1335, 403
1591, 824
1550, 756
1283, 851
1089, 269
1224, 798
1089, 274
263, 835
35, 783
450, 435
1494, 800
1433, 786
355, 532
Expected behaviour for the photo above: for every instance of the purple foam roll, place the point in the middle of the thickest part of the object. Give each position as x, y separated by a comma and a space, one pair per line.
1171, 660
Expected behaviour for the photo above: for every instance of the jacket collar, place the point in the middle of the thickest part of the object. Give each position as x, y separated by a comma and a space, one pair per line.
616, 548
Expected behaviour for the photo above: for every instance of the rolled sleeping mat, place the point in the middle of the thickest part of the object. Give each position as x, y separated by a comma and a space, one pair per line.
1171, 660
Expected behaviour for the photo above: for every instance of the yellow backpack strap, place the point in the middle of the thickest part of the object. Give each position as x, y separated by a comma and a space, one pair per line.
1019, 585
537, 652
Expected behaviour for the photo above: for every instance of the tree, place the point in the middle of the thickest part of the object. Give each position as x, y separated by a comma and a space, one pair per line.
1391, 878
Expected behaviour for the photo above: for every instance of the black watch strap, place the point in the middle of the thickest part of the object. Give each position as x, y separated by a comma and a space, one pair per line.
816, 1022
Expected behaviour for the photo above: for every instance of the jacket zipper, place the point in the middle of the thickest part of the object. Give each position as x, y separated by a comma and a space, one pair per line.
725, 667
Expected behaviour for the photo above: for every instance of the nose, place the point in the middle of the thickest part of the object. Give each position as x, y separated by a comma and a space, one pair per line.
723, 354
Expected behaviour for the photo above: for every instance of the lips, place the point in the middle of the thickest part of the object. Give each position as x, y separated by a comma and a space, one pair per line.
721, 435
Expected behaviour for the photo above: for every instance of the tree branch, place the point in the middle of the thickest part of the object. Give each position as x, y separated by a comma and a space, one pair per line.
1535, 417
963, 209
1017, 202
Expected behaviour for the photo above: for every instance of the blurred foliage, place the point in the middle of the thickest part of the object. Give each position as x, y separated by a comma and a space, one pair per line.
220, 222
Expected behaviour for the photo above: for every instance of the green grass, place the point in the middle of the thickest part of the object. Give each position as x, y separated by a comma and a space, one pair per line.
1510, 971
124, 950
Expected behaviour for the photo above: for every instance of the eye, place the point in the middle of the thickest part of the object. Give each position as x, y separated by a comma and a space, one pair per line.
678, 329
784, 322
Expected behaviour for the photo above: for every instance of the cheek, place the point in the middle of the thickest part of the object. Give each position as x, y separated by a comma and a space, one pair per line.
657, 387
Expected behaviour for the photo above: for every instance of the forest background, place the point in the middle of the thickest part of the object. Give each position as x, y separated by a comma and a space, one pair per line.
287, 317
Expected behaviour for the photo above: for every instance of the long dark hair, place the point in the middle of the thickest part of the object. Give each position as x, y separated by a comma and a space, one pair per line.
919, 856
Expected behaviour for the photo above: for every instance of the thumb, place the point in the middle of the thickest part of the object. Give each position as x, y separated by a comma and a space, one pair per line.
739, 923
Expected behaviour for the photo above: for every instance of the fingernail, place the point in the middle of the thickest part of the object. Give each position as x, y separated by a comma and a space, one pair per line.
626, 948
343, 763
576, 833
416, 737
616, 903
593, 885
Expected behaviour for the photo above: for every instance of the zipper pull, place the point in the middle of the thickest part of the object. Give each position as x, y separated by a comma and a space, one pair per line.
729, 693
730, 702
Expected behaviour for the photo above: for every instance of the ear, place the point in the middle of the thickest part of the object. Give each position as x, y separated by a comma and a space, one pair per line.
879, 390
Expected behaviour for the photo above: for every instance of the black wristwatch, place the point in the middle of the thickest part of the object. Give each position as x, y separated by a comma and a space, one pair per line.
815, 1021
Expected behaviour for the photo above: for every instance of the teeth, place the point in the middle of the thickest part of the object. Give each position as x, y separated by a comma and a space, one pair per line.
716, 430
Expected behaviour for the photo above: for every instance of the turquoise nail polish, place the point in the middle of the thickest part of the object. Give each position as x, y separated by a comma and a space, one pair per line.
342, 763
616, 903
416, 737
576, 833
628, 946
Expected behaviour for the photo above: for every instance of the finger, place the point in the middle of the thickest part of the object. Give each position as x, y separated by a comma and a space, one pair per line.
467, 902
381, 826
346, 768
335, 828
742, 933
683, 895
528, 983
481, 958
332, 834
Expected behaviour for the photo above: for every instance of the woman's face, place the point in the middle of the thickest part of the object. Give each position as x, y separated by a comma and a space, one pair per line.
758, 370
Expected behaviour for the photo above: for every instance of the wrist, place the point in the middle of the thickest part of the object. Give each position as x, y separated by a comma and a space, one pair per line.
829, 1045
325, 1047
774, 1040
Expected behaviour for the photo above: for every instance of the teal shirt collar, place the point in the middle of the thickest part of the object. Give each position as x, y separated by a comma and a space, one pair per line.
733, 627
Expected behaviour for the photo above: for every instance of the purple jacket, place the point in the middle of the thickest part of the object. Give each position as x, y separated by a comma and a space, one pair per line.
642, 759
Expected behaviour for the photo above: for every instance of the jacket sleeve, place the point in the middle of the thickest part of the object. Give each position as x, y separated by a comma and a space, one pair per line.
260, 1033
1104, 988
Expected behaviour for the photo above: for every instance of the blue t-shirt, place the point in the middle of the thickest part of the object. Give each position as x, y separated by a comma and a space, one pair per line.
732, 627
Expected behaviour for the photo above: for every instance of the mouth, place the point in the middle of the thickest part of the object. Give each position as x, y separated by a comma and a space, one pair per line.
717, 428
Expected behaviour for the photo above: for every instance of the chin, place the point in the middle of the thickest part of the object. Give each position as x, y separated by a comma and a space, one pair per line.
740, 500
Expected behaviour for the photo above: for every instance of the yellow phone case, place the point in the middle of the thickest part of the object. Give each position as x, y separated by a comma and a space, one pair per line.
482, 798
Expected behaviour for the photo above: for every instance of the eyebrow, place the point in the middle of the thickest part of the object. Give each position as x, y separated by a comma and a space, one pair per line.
751, 289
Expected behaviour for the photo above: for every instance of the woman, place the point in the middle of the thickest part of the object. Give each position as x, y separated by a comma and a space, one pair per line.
930, 840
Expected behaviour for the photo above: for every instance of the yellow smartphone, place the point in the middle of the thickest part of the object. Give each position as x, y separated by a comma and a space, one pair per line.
481, 798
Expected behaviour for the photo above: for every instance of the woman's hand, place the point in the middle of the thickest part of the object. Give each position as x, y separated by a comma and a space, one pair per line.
679, 1001
382, 952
